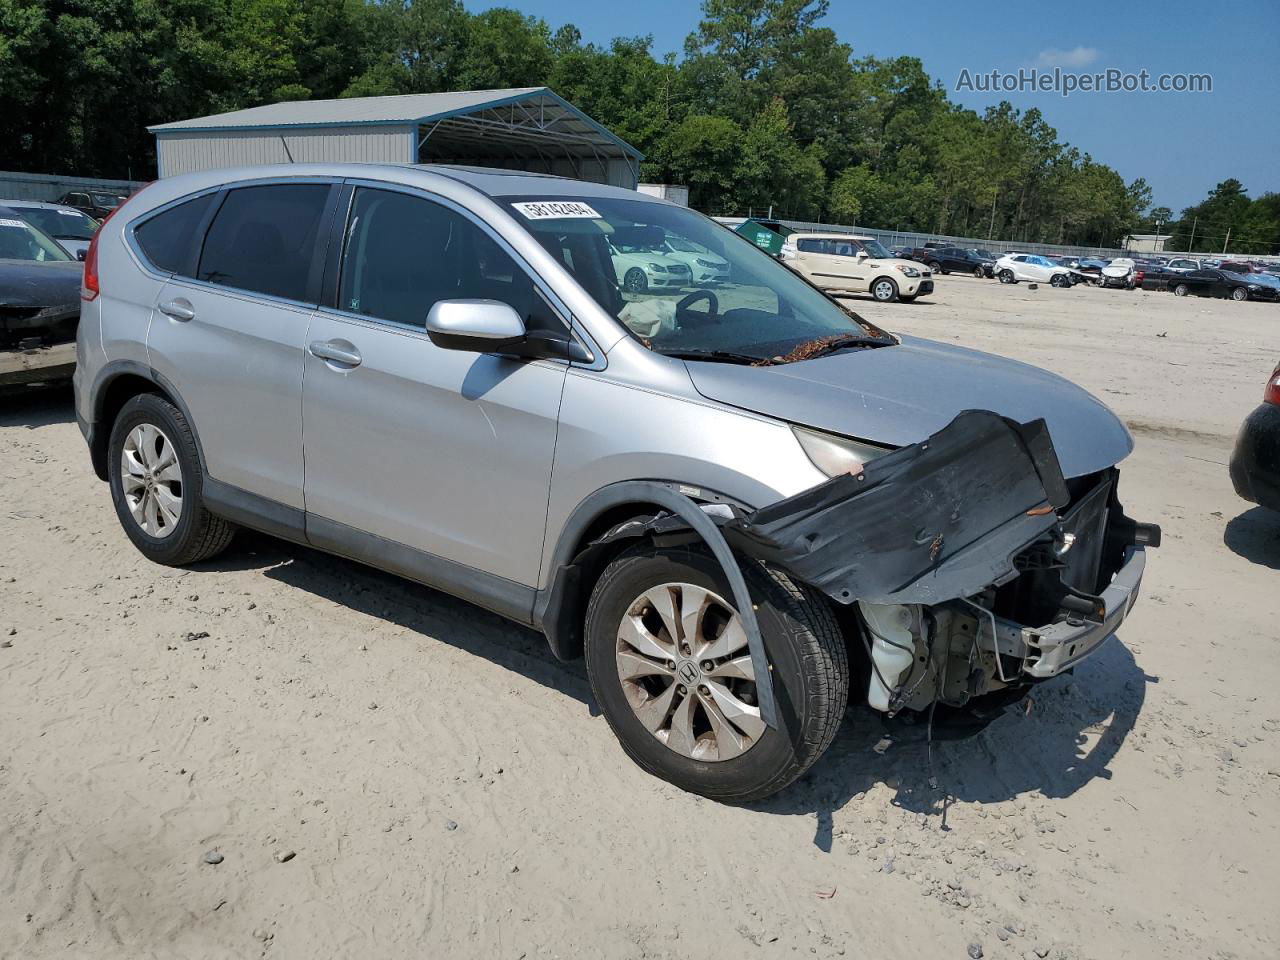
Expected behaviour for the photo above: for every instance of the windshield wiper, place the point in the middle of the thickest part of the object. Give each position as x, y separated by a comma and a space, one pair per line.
714, 356
822, 346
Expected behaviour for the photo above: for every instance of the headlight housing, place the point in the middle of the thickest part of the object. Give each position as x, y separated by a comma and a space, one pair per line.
909, 271
835, 455
657, 268
707, 263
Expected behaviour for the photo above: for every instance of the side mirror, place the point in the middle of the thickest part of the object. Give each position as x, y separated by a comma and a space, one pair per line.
80, 254
861, 255
490, 326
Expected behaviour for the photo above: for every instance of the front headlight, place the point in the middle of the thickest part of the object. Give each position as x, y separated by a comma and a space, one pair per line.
708, 263
834, 455
657, 268
909, 271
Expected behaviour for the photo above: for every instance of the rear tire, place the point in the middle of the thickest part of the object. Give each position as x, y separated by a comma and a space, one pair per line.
1181, 290
936, 267
804, 645
158, 500
1240, 294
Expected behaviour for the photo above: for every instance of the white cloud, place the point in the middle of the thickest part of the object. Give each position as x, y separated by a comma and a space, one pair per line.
1075, 57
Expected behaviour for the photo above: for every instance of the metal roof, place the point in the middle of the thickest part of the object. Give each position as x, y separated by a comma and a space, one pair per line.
534, 110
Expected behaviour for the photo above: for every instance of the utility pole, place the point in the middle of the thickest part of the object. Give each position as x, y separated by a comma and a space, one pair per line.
1191, 245
1226, 241
992, 226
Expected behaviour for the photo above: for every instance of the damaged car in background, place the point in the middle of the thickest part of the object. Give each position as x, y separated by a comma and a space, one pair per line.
39, 304
743, 503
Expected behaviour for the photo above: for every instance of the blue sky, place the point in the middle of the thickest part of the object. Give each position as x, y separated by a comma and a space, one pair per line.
1182, 143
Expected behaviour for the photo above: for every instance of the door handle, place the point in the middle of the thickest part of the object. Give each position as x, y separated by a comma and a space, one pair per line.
328, 350
178, 310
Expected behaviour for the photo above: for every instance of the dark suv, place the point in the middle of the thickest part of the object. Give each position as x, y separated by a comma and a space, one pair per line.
946, 260
95, 203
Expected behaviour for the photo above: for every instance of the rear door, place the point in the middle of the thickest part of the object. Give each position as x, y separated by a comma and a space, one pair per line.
230, 333
445, 452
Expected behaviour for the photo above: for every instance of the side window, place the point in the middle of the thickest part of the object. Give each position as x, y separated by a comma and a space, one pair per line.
169, 239
263, 239
810, 245
1020, 259
404, 253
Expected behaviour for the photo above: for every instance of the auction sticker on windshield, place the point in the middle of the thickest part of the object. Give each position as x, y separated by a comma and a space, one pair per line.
556, 210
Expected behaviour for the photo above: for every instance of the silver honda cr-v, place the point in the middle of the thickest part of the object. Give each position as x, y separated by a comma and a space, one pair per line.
736, 499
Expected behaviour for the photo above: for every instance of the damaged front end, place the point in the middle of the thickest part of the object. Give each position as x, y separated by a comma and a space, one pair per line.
976, 567
973, 565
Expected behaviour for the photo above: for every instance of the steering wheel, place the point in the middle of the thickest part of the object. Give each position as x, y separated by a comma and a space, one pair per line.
713, 307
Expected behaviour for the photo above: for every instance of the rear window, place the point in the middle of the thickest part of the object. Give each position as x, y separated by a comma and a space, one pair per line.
169, 239
263, 239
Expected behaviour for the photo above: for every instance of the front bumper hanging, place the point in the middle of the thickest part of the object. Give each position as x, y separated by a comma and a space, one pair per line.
946, 519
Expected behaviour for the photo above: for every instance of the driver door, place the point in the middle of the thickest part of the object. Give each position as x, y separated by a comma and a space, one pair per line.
434, 460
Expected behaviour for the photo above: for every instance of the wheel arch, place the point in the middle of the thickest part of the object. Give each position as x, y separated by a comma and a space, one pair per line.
560, 607
116, 384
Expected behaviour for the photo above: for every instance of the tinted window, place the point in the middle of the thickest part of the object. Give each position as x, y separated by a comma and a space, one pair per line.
61, 224
812, 246
169, 239
263, 239
403, 253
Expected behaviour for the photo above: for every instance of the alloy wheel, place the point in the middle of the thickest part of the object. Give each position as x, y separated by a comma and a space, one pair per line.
151, 479
685, 671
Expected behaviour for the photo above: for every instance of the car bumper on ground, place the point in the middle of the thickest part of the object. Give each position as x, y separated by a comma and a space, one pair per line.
32, 365
1255, 462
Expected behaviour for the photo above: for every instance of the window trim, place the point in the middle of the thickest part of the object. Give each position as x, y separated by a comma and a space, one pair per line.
336, 252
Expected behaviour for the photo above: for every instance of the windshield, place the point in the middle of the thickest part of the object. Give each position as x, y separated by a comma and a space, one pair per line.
684, 246
757, 309
107, 200
21, 241
876, 249
61, 224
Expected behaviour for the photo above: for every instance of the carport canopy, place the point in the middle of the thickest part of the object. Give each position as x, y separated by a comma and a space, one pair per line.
527, 128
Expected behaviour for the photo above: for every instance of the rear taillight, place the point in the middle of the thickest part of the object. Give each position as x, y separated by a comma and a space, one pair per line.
1272, 393
89, 288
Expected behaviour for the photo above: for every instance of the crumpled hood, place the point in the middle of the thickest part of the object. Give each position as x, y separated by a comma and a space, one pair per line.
902, 394
31, 283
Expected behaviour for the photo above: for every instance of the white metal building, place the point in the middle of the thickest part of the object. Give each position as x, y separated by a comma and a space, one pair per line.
530, 128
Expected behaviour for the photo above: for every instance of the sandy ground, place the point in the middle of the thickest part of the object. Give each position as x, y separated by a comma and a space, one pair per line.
436, 784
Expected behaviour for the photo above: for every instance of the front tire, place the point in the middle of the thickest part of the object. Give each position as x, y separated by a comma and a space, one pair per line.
1006, 276
979, 273
1181, 290
884, 290
668, 663
1239, 294
156, 480
635, 281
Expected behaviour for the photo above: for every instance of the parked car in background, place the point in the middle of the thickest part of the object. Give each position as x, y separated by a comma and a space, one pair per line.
1255, 461
1016, 267
1155, 275
1120, 272
840, 263
39, 304
704, 266
95, 203
72, 228
1184, 264
1221, 283
449, 335
642, 263
946, 260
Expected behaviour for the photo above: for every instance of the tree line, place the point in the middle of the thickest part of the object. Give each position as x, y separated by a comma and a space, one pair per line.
765, 110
